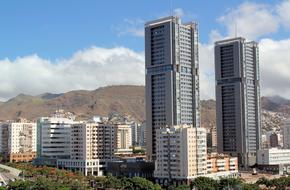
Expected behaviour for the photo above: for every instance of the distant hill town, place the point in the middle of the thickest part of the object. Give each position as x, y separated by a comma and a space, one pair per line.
125, 100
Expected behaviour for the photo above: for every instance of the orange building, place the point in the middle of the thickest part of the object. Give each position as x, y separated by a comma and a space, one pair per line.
21, 157
221, 163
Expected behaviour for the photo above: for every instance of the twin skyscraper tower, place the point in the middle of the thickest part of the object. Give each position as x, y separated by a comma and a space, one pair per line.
172, 87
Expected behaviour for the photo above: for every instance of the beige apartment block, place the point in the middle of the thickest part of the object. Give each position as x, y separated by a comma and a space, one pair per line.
18, 141
180, 154
92, 141
123, 139
91, 146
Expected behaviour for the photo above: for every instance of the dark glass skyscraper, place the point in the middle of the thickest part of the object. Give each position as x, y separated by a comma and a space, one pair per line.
172, 79
238, 99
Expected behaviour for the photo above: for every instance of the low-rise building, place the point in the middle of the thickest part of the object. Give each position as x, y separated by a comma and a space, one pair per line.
273, 156
274, 160
221, 165
22, 157
131, 167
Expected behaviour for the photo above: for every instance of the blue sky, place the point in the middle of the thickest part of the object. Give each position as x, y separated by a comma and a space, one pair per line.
86, 44
57, 28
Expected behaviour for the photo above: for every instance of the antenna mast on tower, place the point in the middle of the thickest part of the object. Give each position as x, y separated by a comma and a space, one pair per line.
171, 8
236, 29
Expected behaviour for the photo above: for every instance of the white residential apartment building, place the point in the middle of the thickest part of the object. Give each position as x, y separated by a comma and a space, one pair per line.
181, 153
22, 137
53, 136
18, 141
92, 144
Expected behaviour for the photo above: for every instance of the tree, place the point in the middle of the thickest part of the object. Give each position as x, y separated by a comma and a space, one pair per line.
138, 151
157, 187
127, 184
19, 185
279, 183
204, 183
226, 183
140, 183
264, 181
182, 187
112, 182
77, 185
43, 183
246, 186
64, 188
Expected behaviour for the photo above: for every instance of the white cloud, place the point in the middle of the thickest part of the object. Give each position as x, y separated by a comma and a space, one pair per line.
184, 15
134, 27
95, 67
86, 69
207, 77
284, 13
138, 32
251, 20
275, 67
215, 36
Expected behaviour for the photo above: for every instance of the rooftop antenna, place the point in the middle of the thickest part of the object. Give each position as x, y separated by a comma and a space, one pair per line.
171, 8
236, 29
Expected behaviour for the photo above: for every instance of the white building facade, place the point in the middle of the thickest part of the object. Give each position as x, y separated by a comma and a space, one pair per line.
273, 156
53, 136
22, 137
180, 153
92, 144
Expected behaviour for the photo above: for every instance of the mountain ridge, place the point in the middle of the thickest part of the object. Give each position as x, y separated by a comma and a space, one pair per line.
127, 100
